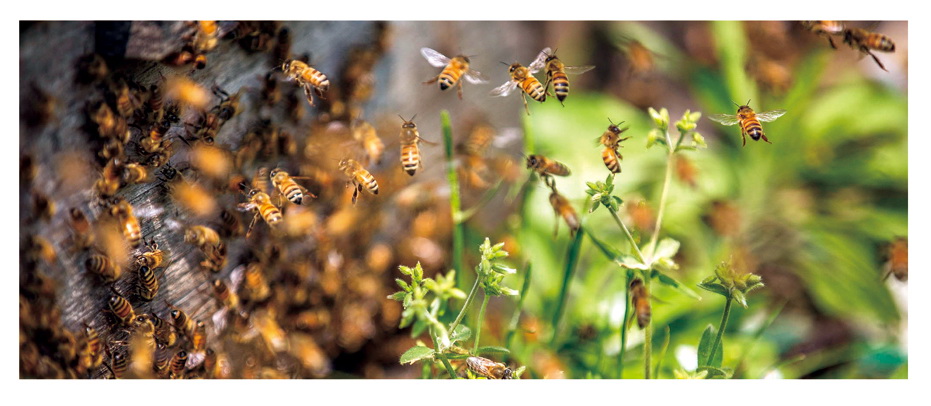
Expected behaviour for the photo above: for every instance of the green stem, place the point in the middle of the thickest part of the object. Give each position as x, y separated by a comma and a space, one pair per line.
620, 356
515, 319
455, 201
667, 180
647, 337
717, 339
468, 302
479, 322
662, 354
572, 258
449, 367
630, 237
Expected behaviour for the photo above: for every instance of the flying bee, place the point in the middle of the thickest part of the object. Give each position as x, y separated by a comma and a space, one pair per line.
556, 73
523, 77
359, 177
153, 258
128, 222
488, 368
611, 140
545, 168
365, 133
186, 92
563, 209
410, 150
897, 259
121, 308
102, 265
206, 36
109, 125
453, 70
181, 321
271, 92
286, 186
307, 77
230, 225
865, 41
254, 286
225, 295
748, 120
148, 283
263, 206
202, 237
825, 29
123, 98
641, 302
109, 182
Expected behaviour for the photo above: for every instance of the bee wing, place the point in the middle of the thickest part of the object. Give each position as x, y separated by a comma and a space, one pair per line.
770, 115
724, 119
476, 77
436, 59
538, 63
578, 70
504, 89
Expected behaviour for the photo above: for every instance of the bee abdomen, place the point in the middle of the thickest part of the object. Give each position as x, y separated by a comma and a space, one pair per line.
611, 161
534, 89
371, 184
448, 78
754, 129
410, 158
104, 267
561, 86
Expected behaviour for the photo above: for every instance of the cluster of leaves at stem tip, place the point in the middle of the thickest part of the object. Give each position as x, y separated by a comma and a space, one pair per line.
686, 126
731, 284
424, 315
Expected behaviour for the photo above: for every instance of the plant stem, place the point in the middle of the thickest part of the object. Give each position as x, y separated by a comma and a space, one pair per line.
647, 336
515, 319
630, 237
455, 201
479, 322
620, 356
449, 367
572, 258
667, 180
465, 306
717, 338
662, 354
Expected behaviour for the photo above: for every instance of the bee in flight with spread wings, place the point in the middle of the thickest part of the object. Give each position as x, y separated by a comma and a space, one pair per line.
749, 121
523, 76
453, 70
556, 73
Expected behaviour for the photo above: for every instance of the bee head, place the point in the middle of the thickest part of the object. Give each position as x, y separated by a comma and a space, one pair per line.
408, 123
275, 172
533, 161
114, 299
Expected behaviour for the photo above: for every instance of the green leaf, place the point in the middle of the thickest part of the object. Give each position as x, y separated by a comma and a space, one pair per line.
517, 372
399, 296
704, 349
667, 248
714, 287
717, 373
416, 353
419, 327
462, 333
486, 349
594, 206
739, 298
671, 282
403, 285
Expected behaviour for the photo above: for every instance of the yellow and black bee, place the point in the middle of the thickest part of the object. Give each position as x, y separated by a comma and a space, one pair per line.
359, 177
563, 209
523, 77
288, 187
307, 77
611, 140
148, 283
453, 70
748, 120
556, 73
640, 302
488, 368
102, 265
410, 149
545, 168
865, 41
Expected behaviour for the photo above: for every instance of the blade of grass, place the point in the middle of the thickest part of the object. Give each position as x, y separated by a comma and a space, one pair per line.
662, 354
515, 319
455, 201
572, 258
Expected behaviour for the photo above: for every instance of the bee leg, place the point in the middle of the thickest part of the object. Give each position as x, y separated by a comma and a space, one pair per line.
743, 136
355, 193
877, 61
307, 192
556, 226
831, 41
432, 81
460, 90
254, 218
765, 139
309, 94
524, 98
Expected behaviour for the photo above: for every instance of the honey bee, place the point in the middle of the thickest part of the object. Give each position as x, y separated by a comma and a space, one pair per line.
148, 283
897, 259
206, 36
109, 182
359, 177
230, 223
155, 141
121, 308
155, 104
641, 302
123, 99
176, 366
611, 141
161, 360
640, 58
365, 133
42, 206
119, 364
187, 93
307, 77
545, 168
199, 337
109, 125
225, 295
271, 93
163, 332
262, 204
181, 321
228, 106
91, 68
453, 70
134, 173
286, 186
825, 29
202, 237
488, 368
152, 258
563, 209
523, 77
556, 73
282, 50
128, 222
748, 120
410, 151
102, 265
864, 41
254, 286
93, 346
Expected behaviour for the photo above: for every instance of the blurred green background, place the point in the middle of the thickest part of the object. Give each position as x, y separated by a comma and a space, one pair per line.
811, 213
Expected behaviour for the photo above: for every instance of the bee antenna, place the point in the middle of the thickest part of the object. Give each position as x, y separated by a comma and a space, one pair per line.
735, 103
609, 120
748, 102
504, 63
